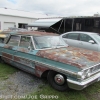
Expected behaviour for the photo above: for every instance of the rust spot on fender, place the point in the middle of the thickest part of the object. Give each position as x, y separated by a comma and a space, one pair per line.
39, 69
71, 55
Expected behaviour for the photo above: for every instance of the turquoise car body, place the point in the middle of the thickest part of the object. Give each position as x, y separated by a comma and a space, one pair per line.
79, 67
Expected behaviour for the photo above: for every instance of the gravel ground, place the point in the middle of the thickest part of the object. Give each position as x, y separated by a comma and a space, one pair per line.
20, 83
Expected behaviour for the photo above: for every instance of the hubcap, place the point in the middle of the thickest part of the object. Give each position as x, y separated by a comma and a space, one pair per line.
59, 79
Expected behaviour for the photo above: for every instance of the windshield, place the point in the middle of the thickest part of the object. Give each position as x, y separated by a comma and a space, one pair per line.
97, 37
42, 42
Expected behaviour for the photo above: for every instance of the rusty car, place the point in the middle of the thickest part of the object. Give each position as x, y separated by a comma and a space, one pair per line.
46, 54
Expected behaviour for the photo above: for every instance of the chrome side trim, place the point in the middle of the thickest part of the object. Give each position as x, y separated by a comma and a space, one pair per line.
57, 69
91, 66
51, 67
19, 62
24, 64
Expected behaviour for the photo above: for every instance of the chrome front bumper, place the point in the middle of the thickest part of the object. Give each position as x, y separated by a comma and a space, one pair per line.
81, 85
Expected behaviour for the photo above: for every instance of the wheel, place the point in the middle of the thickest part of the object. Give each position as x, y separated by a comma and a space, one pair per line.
57, 81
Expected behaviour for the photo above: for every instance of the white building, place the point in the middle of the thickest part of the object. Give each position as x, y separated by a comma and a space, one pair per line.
16, 18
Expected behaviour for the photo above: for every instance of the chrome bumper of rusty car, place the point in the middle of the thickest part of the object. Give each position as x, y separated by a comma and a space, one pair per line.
81, 85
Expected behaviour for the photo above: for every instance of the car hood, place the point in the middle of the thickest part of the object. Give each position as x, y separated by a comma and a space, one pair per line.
78, 57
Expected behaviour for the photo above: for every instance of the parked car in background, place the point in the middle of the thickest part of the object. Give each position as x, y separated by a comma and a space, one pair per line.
86, 40
46, 54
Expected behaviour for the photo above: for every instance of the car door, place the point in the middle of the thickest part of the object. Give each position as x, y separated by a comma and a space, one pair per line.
84, 42
71, 39
10, 48
24, 58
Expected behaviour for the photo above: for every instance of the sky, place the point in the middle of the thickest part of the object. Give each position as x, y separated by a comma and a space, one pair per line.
59, 8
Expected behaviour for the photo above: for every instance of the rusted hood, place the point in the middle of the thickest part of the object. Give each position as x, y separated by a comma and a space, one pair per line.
78, 57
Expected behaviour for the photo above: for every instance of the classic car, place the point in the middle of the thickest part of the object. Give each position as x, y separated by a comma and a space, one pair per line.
86, 40
45, 54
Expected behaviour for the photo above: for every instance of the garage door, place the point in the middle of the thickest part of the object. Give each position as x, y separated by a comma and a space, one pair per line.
8, 24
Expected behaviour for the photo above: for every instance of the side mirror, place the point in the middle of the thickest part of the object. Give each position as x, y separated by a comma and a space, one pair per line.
91, 41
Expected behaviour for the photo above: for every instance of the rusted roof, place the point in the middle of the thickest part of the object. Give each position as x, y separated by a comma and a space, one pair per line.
36, 33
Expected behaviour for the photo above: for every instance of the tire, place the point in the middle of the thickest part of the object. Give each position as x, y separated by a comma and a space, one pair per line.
62, 86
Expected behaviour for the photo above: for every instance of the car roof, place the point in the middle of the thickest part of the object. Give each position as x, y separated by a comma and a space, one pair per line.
35, 33
82, 32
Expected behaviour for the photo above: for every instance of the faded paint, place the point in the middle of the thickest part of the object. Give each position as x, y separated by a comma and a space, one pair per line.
38, 33
23, 50
39, 69
73, 56
23, 61
7, 55
7, 60
8, 47
66, 60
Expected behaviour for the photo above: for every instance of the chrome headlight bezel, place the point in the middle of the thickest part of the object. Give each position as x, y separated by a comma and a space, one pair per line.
83, 74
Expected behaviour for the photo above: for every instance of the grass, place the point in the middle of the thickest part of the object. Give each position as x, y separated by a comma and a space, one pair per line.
6, 70
46, 92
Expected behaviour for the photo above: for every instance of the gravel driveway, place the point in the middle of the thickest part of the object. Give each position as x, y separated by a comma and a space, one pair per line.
20, 83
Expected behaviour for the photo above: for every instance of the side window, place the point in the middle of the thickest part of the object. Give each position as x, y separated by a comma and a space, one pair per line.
84, 37
14, 40
73, 36
25, 41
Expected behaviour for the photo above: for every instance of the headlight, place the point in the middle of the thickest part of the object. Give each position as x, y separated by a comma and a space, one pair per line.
83, 74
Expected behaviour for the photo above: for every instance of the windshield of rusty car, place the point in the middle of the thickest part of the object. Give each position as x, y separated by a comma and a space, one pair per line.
42, 42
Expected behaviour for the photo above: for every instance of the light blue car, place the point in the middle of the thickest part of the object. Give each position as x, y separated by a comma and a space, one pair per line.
86, 40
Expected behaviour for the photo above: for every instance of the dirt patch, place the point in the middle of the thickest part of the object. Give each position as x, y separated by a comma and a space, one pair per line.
20, 83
